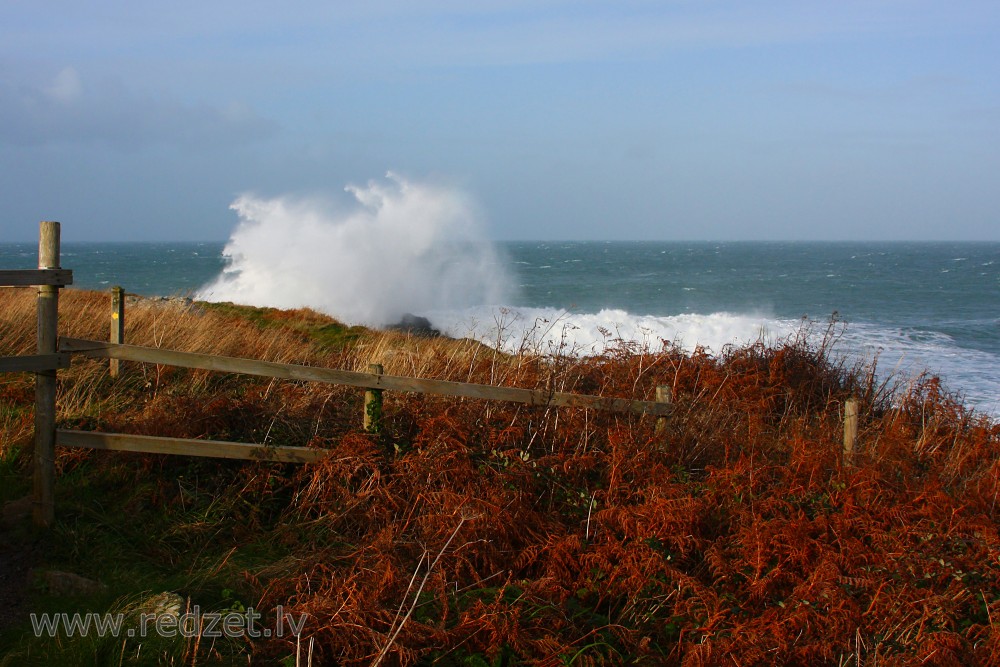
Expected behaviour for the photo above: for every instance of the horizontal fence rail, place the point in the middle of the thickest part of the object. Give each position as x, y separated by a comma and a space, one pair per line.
34, 363
31, 277
187, 447
103, 350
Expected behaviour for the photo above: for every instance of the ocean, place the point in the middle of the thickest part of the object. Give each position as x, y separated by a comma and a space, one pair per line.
917, 307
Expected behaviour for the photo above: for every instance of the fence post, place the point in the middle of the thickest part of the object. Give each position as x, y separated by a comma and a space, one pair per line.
850, 429
117, 324
373, 403
664, 394
43, 510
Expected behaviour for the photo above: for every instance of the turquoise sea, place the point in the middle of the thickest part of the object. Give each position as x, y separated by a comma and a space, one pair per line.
917, 306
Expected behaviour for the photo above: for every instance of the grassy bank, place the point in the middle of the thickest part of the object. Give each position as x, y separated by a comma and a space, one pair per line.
477, 533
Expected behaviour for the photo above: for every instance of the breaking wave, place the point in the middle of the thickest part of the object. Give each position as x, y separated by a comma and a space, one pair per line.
399, 247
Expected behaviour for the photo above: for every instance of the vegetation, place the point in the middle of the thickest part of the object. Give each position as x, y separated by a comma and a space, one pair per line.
484, 533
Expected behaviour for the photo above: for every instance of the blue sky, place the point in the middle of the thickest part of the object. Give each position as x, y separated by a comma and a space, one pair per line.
565, 120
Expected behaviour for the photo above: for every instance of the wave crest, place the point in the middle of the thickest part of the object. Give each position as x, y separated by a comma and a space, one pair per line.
401, 247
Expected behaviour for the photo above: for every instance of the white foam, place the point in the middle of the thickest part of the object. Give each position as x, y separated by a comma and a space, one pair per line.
548, 330
908, 352
401, 247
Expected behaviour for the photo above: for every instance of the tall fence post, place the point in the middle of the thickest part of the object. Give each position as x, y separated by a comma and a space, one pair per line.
43, 511
664, 394
373, 403
850, 429
117, 324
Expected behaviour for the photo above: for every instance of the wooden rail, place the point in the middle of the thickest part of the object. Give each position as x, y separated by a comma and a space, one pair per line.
34, 363
103, 350
33, 277
187, 447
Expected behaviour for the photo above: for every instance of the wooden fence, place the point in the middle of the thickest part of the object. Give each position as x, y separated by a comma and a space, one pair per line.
49, 277
55, 353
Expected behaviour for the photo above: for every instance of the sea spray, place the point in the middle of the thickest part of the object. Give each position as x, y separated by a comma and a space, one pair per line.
401, 247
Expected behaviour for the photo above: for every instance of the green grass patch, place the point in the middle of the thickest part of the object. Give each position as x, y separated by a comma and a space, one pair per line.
326, 332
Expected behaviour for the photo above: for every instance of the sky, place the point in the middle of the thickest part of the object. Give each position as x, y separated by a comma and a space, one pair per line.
583, 120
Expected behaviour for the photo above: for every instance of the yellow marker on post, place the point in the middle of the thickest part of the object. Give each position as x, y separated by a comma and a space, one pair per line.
117, 324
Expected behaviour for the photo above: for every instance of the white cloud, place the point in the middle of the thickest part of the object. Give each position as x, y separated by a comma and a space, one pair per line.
66, 87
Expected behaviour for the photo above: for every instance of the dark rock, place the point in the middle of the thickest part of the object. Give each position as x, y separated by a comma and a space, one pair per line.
416, 325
